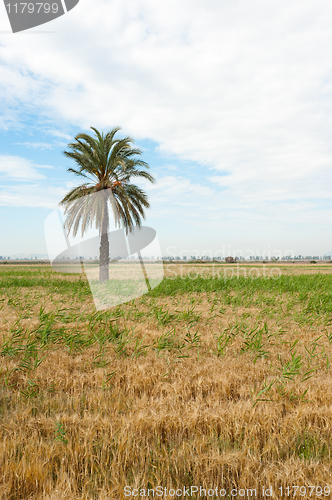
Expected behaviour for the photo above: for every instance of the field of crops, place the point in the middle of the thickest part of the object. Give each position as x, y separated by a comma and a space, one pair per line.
208, 381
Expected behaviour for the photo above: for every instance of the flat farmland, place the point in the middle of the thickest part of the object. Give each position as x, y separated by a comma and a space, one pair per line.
219, 378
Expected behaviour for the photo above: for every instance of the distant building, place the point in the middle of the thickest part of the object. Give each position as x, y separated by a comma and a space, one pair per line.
230, 260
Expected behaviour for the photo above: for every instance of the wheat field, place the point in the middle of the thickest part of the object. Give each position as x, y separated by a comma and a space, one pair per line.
211, 385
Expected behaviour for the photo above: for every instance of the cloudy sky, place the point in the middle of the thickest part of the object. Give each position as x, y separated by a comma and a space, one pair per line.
230, 101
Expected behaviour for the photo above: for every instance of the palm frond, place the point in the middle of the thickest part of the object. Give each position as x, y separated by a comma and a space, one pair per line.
108, 164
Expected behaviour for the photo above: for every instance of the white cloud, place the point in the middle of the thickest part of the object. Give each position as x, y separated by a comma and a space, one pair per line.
215, 83
58, 133
37, 195
242, 88
178, 198
170, 167
42, 194
15, 167
35, 145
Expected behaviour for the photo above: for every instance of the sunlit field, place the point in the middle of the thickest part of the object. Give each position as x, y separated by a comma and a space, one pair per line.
213, 379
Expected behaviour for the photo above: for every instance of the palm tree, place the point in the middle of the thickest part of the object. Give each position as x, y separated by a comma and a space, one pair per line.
106, 164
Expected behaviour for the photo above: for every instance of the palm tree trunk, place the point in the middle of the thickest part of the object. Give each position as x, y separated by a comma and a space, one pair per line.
104, 249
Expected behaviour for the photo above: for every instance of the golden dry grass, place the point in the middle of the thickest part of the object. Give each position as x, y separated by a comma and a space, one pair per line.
153, 404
